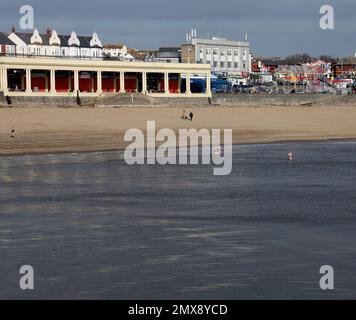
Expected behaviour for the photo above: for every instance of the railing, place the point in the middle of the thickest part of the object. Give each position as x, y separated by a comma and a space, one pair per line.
20, 55
86, 58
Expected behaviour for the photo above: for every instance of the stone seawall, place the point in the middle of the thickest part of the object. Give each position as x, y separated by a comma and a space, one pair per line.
145, 100
45, 101
281, 99
105, 100
233, 100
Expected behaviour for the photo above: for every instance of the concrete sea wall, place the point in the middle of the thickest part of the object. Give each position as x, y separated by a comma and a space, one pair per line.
233, 100
281, 99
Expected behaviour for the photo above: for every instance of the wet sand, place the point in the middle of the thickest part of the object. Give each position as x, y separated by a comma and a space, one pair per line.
53, 130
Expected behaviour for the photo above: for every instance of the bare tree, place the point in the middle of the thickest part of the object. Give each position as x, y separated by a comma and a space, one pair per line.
327, 58
299, 58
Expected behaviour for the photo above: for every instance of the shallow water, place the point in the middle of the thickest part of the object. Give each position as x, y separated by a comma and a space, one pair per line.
93, 227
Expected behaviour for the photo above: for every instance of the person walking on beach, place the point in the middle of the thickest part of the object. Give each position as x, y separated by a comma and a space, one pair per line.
191, 115
12, 133
183, 115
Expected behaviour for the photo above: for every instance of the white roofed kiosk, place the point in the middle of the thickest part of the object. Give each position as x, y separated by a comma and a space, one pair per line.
37, 76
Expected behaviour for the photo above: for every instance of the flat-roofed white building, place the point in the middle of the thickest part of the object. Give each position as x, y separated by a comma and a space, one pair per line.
224, 56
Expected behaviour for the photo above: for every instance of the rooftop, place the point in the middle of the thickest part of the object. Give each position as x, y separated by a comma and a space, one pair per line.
26, 37
347, 60
5, 40
169, 49
113, 46
220, 41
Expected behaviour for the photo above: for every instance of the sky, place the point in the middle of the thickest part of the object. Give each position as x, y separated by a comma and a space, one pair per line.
274, 27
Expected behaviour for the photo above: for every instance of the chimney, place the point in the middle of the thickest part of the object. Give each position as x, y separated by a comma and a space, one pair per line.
49, 32
13, 29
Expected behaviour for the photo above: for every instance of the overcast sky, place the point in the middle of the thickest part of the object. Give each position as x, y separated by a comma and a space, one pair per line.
274, 27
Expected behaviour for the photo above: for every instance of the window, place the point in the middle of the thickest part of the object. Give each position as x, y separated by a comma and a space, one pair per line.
222, 64
215, 51
229, 52
222, 53
229, 64
236, 65
208, 51
215, 64
236, 53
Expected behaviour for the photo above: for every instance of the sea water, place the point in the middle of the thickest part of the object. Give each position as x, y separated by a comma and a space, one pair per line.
93, 227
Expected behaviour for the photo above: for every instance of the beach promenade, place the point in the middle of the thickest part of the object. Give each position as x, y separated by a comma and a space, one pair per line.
52, 130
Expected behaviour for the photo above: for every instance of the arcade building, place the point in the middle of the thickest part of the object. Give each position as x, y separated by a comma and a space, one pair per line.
21, 76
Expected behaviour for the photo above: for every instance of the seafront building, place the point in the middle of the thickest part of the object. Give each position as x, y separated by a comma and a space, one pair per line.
224, 56
40, 76
345, 67
51, 44
169, 54
267, 66
7, 47
113, 51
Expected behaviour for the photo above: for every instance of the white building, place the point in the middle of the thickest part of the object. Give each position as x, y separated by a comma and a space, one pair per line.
52, 44
118, 51
224, 56
168, 55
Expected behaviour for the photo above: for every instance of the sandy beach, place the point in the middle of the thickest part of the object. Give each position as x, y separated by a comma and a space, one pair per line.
52, 130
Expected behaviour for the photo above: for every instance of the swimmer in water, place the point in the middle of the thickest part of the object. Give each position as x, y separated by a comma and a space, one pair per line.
290, 156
